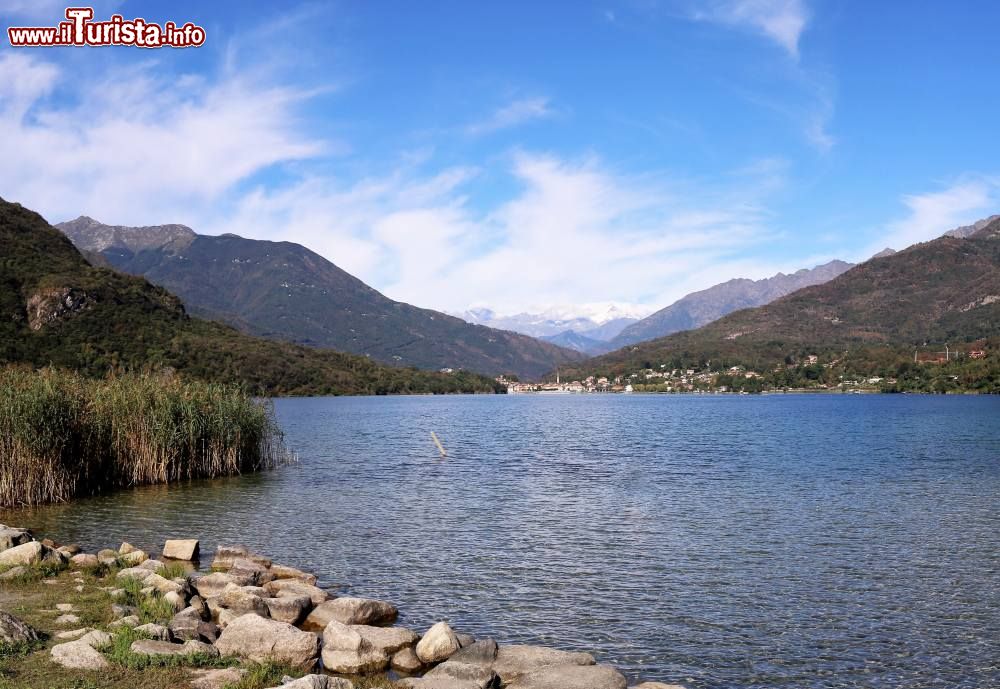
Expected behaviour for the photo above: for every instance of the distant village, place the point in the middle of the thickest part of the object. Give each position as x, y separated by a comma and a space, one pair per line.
736, 379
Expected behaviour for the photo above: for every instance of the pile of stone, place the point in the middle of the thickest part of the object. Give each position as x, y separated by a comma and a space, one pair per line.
251, 608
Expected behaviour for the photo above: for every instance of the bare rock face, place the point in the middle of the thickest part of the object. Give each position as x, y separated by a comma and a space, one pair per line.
15, 631
181, 549
437, 644
365, 611
258, 639
52, 305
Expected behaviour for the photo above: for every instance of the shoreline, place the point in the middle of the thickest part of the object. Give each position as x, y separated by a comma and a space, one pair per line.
245, 614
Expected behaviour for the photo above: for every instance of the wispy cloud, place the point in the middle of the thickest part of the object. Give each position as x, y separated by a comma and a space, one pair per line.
515, 113
931, 214
782, 21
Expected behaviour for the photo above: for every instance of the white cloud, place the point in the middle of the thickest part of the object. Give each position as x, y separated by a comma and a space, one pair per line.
931, 214
131, 148
782, 21
511, 115
133, 144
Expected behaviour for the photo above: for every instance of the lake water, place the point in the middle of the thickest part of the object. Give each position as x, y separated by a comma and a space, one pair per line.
716, 541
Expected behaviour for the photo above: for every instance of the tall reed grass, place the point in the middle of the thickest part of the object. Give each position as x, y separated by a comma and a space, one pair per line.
64, 436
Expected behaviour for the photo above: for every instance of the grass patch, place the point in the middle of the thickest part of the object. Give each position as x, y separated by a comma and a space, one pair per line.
149, 608
34, 572
119, 651
173, 570
262, 675
63, 435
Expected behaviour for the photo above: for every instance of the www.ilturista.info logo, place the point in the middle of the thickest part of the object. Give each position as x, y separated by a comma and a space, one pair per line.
80, 29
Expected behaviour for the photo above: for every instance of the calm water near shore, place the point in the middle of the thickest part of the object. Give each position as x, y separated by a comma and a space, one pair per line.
774, 541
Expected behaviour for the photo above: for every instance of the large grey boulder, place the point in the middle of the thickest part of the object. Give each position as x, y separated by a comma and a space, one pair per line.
184, 625
406, 660
294, 587
212, 585
181, 549
258, 639
155, 631
252, 572
571, 677
226, 555
317, 682
78, 655
480, 676
242, 601
216, 679
387, 640
84, 561
438, 643
426, 682
288, 609
285, 572
514, 660
27, 554
16, 631
482, 652
152, 647
11, 536
366, 611
346, 651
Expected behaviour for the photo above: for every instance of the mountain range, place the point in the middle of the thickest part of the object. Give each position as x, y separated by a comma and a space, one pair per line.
58, 309
598, 322
944, 290
705, 306
284, 291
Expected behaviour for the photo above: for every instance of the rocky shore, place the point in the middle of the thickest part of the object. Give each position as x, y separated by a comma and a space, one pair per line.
248, 610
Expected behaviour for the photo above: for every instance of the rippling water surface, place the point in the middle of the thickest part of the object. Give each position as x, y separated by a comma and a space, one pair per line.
776, 541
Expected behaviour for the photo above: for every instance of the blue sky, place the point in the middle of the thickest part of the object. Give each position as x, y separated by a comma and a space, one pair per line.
523, 155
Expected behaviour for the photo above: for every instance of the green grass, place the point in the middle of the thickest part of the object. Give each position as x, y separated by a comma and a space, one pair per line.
63, 435
35, 572
150, 608
119, 651
173, 570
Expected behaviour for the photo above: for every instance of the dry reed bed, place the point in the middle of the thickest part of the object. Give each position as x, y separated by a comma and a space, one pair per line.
63, 435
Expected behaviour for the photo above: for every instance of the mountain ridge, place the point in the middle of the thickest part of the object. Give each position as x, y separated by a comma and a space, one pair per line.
282, 290
59, 310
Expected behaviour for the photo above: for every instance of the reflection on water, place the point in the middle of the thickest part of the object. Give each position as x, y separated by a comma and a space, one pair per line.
810, 541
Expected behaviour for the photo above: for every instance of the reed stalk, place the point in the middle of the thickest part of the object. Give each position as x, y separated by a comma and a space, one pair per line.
63, 435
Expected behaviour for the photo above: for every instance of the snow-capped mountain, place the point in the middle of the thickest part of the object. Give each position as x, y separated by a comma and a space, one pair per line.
600, 321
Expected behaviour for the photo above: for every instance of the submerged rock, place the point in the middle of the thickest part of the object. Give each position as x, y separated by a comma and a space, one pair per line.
284, 572
181, 549
515, 660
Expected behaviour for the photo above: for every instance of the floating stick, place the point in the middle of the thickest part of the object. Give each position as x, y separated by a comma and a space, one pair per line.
438, 443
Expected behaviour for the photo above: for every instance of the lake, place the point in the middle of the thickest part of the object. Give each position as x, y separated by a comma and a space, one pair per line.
715, 541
